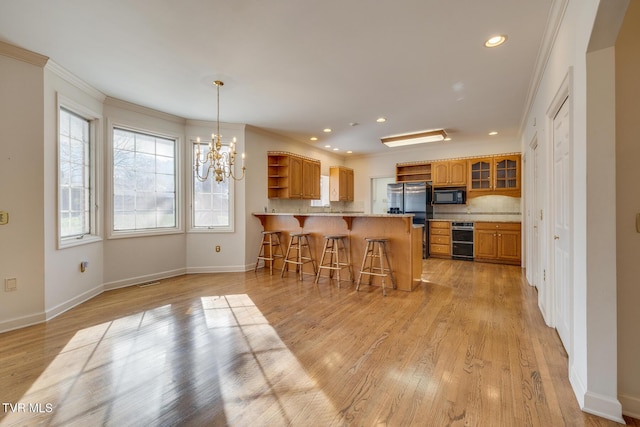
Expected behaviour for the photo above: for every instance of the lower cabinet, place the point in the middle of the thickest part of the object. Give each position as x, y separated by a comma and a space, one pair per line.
440, 239
498, 242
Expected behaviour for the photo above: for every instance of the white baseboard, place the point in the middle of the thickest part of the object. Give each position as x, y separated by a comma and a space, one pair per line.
576, 384
630, 405
21, 322
77, 300
593, 403
143, 279
220, 269
603, 406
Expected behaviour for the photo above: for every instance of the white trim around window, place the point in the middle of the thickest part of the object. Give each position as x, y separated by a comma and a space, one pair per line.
178, 180
211, 202
91, 182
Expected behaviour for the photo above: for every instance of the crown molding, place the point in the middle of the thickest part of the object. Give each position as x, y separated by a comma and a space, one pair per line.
24, 55
74, 80
118, 103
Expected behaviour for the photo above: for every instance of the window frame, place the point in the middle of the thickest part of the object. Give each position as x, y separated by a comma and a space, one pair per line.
230, 228
178, 228
95, 148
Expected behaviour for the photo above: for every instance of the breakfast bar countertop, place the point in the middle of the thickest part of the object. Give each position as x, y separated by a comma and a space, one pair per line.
345, 213
404, 238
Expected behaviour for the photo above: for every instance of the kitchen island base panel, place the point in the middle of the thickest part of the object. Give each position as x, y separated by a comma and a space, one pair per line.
404, 240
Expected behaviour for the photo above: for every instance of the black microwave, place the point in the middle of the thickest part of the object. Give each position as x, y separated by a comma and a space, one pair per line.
449, 197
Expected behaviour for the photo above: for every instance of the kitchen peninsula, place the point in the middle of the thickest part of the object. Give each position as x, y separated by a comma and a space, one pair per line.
405, 239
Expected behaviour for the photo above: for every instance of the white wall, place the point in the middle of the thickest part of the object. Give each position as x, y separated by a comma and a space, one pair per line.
627, 207
384, 165
592, 350
140, 259
65, 286
201, 255
258, 142
21, 192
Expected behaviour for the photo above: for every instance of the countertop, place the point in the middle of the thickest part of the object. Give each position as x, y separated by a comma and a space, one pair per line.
350, 214
477, 220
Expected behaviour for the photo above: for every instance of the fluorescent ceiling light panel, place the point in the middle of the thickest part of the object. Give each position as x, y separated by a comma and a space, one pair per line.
414, 138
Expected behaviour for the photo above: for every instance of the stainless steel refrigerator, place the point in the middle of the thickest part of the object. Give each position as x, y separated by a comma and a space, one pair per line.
412, 198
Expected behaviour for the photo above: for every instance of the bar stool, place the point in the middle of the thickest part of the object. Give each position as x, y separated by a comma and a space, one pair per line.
376, 250
339, 257
298, 242
271, 240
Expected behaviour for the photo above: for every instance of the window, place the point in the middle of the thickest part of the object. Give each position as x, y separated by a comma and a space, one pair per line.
76, 178
211, 207
144, 182
324, 193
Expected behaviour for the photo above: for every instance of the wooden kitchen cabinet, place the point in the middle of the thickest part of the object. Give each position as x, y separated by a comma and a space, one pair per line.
413, 172
278, 176
497, 175
310, 179
290, 176
449, 173
295, 177
440, 239
340, 184
498, 242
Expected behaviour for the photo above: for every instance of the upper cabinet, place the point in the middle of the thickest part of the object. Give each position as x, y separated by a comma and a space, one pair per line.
498, 175
310, 179
413, 172
340, 184
449, 173
290, 176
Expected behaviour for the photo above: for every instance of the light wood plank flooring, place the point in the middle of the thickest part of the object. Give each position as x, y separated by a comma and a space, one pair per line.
467, 348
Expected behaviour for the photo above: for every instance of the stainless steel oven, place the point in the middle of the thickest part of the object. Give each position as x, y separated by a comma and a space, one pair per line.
462, 240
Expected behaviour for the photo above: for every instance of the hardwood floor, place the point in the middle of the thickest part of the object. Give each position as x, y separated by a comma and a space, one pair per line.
467, 348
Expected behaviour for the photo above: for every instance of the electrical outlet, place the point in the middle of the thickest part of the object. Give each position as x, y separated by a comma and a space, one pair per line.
4, 217
217, 248
11, 284
83, 266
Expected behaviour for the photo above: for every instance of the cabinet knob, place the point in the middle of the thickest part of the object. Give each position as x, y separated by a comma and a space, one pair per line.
556, 237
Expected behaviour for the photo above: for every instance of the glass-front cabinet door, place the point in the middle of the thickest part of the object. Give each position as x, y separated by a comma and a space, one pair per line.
480, 175
507, 173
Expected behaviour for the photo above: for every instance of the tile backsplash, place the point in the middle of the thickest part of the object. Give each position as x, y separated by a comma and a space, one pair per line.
491, 208
304, 206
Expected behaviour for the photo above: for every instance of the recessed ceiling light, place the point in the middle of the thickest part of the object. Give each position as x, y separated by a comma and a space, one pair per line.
326, 130
448, 138
349, 152
327, 146
493, 133
381, 120
495, 41
336, 149
314, 138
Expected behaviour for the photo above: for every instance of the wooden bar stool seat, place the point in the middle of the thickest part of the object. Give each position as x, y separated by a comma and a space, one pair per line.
376, 256
298, 253
339, 257
270, 249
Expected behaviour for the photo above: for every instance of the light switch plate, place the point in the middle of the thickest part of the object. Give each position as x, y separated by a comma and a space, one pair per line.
4, 217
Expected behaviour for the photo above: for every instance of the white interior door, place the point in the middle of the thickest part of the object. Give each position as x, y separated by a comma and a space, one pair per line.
562, 202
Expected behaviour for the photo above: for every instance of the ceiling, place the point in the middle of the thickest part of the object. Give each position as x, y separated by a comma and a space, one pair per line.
296, 67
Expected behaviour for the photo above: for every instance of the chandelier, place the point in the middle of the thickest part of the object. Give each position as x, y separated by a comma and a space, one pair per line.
217, 161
